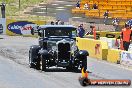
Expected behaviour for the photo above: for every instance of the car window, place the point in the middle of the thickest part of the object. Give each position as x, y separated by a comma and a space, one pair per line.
59, 32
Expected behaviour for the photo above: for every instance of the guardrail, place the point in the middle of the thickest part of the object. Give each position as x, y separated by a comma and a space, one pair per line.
99, 49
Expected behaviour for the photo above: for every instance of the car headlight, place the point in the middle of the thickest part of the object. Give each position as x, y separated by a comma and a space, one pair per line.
54, 48
74, 48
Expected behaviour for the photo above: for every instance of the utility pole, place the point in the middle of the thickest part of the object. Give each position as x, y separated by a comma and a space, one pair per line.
2, 6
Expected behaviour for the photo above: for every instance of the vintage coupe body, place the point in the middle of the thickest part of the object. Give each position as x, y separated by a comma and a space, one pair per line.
57, 47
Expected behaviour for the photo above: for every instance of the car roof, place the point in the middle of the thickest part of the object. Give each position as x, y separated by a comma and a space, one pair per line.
49, 26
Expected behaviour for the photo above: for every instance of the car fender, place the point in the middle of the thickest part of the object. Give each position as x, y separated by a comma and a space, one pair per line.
34, 49
45, 54
81, 54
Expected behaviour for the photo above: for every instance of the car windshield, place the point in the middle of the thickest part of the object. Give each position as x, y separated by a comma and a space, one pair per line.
60, 32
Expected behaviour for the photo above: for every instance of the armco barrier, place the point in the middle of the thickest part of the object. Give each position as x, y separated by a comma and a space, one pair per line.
20, 27
113, 55
96, 48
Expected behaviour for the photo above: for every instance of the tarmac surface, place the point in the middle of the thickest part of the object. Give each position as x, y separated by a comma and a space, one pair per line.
15, 72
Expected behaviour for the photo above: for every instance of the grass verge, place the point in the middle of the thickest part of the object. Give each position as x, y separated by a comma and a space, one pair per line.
14, 12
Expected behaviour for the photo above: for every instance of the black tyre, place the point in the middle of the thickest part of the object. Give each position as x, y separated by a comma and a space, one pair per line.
38, 63
31, 64
42, 63
75, 69
84, 63
34, 56
76, 65
69, 68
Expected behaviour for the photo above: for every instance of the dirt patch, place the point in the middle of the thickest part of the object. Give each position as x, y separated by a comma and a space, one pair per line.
16, 48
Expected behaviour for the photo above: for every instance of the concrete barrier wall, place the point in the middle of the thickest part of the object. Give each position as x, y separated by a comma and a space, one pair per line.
113, 55
99, 49
116, 56
96, 48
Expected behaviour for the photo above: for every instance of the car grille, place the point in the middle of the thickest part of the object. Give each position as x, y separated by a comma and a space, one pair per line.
64, 51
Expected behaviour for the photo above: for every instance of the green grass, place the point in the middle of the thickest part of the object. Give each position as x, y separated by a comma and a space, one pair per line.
12, 8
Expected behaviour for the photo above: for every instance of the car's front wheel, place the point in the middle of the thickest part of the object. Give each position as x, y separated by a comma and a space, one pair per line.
31, 65
42, 63
84, 63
